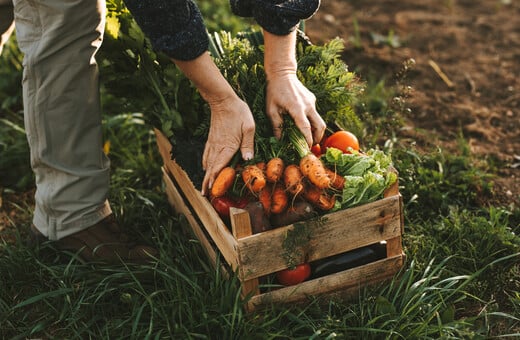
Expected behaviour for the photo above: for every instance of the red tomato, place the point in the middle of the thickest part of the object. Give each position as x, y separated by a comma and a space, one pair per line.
342, 140
290, 277
223, 203
316, 149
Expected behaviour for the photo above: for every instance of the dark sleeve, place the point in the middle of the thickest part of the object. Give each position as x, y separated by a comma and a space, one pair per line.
174, 27
278, 17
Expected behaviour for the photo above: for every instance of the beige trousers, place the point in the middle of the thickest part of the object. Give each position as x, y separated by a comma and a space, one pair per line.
59, 39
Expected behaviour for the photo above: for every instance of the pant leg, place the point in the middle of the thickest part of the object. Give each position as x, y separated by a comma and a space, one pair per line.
6, 22
62, 111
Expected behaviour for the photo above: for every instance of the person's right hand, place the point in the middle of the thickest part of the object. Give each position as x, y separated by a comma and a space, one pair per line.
232, 127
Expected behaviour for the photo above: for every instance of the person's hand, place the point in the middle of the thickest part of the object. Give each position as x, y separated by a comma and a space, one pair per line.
287, 95
232, 127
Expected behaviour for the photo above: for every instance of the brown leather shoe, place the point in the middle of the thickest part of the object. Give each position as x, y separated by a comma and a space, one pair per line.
103, 242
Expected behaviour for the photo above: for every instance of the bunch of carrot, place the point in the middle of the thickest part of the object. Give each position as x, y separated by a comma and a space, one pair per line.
279, 186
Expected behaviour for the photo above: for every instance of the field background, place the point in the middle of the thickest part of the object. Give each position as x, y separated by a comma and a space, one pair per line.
441, 96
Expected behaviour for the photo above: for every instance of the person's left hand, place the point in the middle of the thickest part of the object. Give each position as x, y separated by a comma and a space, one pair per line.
232, 128
287, 95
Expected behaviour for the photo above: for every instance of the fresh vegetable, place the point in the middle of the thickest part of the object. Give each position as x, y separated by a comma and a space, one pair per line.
223, 203
279, 199
345, 141
366, 175
261, 165
316, 149
293, 179
274, 169
310, 165
258, 218
336, 180
253, 178
319, 197
223, 182
299, 211
312, 168
274, 198
293, 276
264, 197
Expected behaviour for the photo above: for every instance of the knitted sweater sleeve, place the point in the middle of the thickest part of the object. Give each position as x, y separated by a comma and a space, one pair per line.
174, 27
278, 17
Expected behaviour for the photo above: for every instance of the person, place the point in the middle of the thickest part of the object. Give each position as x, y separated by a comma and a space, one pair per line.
62, 110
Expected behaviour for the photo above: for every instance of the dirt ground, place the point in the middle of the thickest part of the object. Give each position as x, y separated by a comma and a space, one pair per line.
466, 74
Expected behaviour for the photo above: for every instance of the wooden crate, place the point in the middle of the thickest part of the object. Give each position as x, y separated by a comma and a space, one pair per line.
253, 256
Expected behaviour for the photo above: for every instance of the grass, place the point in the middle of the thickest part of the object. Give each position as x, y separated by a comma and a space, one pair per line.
461, 280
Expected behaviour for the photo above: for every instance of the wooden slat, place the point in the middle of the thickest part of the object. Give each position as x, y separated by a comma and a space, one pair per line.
164, 146
394, 246
348, 281
177, 202
340, 232
393, 190
241, 227
226, 243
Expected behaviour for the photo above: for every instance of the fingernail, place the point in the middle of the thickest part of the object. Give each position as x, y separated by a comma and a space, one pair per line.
248, 155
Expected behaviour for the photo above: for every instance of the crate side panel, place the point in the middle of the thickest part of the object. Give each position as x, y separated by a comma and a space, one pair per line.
163, 145
336, 233
350, 280
209, 218
176, 201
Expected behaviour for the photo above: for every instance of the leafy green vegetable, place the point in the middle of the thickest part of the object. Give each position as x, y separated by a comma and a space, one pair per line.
367, 175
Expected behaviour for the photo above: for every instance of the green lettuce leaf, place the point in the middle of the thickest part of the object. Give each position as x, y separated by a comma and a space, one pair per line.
367, 175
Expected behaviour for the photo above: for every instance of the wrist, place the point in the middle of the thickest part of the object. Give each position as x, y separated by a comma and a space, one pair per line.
279, 55
207, 78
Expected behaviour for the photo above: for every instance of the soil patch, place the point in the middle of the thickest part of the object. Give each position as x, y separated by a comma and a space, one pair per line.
465, 81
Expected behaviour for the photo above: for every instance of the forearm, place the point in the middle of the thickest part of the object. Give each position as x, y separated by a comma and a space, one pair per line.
206, 77
279, 54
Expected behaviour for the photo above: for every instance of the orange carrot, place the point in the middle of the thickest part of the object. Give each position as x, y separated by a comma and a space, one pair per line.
223, 182
326, 202
279, 199
254, 178
312, 168
336, 180
261, 165
293, 179
274, 169
319, 197
264, 196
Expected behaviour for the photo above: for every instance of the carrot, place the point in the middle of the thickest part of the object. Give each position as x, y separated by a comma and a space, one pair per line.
254, 178
336, 180
310, 165
223, 182
261, 165
279, 199
293, 179
264, 196
326, 202
312, 168
274, 169
319, 197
